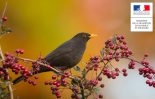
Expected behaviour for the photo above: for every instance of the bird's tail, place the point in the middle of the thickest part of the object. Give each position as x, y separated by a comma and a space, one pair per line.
18, 79
21, 78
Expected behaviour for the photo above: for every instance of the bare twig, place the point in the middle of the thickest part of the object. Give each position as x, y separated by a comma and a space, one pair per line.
82, 90
40, 63
5, 7
46, 65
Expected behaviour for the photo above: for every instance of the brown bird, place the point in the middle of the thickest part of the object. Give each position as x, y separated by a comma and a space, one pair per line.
66, 55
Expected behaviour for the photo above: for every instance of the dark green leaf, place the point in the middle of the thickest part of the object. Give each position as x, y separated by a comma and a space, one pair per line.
74, 81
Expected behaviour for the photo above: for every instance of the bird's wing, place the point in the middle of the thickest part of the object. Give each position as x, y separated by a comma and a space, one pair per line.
63, 49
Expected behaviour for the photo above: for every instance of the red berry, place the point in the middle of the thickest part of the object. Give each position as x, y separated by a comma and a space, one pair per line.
102, 85
100, 96
153, 82
146, 55
21, 51
50, 83
148, 82
122, 37
118, 37
6, 77
55, 82
46, 82
58, 96
34, 83
1, 73
53, 77
18, 51
125, 74
58, 84
35, 77
117, 74
4, 18
63, 81
100, 79
30, 81
124, 70
124, 43
149, 77
116, 69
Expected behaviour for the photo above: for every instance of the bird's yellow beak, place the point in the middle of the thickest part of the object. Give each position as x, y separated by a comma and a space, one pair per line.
93, 35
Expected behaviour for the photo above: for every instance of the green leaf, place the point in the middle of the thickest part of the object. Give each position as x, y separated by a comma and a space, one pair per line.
114, 39
84, 73
74, 81
102, 52
96, 90
5, 30
77, 68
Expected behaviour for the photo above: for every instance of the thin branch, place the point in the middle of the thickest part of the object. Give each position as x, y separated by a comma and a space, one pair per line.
82, 90
1, 54
46, 65
40, 63
5, 7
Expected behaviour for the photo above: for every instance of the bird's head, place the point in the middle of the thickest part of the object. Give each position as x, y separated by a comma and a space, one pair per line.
84, 36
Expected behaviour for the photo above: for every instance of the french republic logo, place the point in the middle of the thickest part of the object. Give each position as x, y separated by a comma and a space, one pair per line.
141, 16
141, 7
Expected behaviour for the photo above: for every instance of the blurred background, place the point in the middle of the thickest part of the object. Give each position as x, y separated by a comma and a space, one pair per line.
39, 26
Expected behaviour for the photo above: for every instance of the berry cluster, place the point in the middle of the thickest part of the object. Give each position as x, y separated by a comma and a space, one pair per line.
116, 49
11, 62
56, 82
19, 51
147, 71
